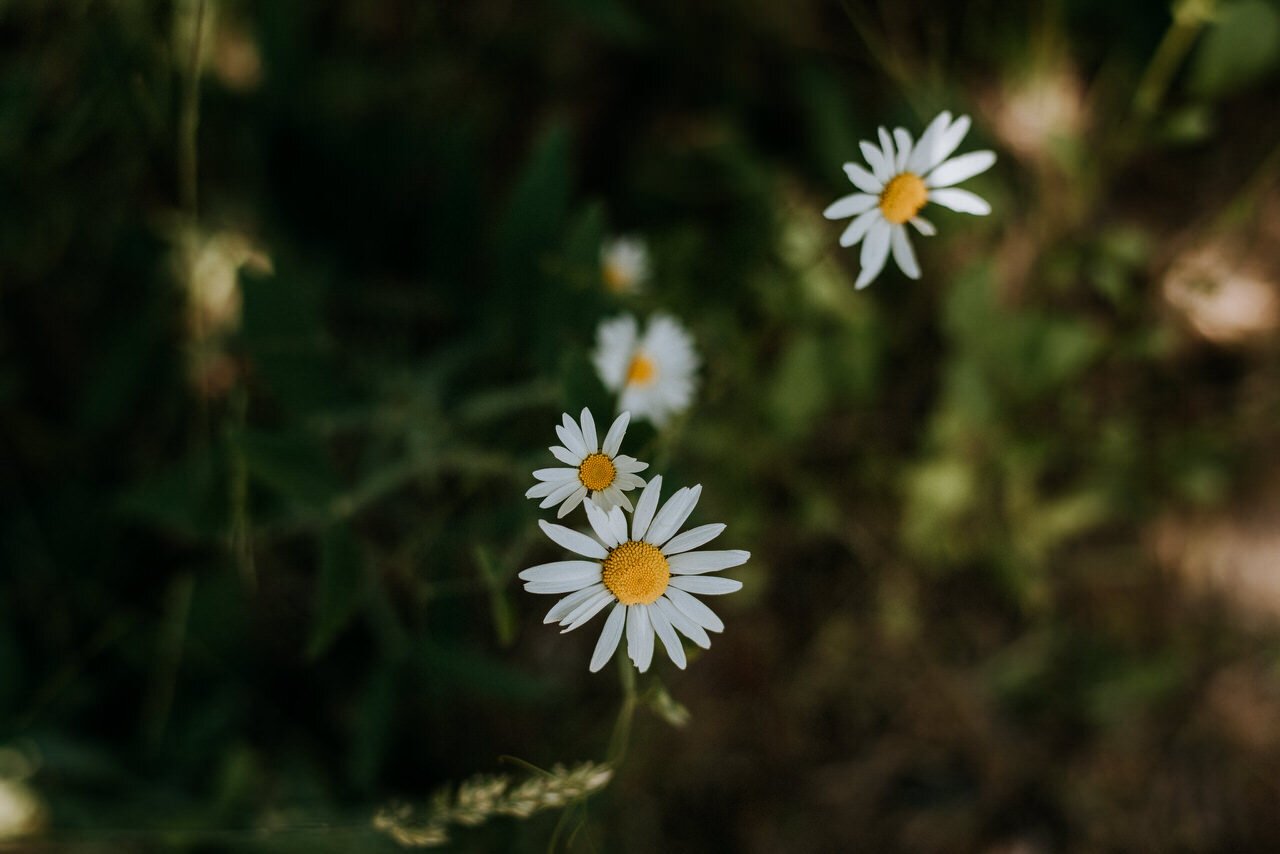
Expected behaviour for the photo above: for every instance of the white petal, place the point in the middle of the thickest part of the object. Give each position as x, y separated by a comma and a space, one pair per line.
555, 475
903, 139
624, 501
600, 524
571, 502
706, 585
566, 586
615, 345
613, 498
682, 623
565, 456
618, 524
694, 563
903, 253
960, 200
859, 227
670, 518
571, 435
886, 145
568, 603
561, 570
560, 493
875, 249
961, 168
850, 206
948, 142
662, 626
693, 538
586, 611
923, 226
609, 637
542, 489
589, 431
919, 161
639, 636
604, 498
613, 439
628, 465
645, 507
694, 609
875, 157
862, 179
573, 541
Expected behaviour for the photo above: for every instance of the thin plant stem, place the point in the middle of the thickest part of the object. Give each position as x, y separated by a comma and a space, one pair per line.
241, 533
1189, 17
190, 122
621, 737
188, 198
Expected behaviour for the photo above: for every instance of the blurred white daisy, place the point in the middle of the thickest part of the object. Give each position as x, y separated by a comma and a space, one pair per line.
903, 179
651, 373
647, 572
595, 468
624, 264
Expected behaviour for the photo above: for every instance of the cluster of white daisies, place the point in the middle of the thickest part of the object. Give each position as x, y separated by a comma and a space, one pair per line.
633, 560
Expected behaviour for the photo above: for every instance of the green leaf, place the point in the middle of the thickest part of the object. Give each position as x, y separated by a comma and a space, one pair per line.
292, 464
536, 208
668, 708
373, 724
1241, 48
183, 499
504, 621
340, 591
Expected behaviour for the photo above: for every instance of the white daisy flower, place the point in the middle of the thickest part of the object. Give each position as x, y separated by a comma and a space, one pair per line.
596, 469
624, 264
647, 572
902, 180
653, 373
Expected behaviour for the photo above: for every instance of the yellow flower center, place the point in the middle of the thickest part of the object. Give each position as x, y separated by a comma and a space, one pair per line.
617, 278
642, 370
903, 197
636, 572
596, 472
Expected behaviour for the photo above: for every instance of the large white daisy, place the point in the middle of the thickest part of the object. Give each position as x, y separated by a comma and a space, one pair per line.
646, 571
903, 179
594, 468
624, 264
653, 374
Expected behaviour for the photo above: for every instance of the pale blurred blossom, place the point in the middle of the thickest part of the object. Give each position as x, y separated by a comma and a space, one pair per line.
1230, 553
1031, 112
21, 812
1221, 295
624, 264
212, 277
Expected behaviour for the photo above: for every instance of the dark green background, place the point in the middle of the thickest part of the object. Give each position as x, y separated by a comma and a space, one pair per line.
245, 619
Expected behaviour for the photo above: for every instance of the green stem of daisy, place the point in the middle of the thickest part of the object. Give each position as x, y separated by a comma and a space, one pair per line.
1189, 17
621, 737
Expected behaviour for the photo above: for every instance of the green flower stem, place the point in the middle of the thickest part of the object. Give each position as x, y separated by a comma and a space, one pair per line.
1189, 18
622, 727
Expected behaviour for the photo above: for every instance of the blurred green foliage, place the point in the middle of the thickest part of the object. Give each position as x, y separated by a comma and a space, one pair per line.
259, 572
